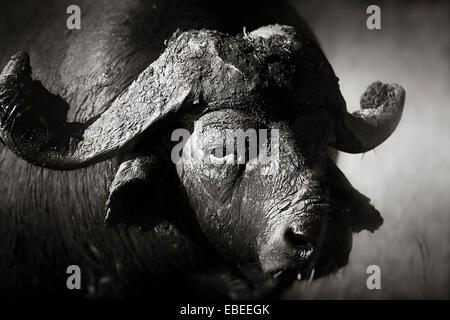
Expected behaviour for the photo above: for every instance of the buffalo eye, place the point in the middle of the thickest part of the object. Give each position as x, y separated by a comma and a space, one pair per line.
219, 152
219, 155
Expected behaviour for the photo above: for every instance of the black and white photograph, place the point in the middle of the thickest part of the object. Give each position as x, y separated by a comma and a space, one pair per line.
232, 151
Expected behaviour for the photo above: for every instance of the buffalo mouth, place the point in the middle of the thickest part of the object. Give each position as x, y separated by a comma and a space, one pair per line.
309, 272
329, 255
321, 255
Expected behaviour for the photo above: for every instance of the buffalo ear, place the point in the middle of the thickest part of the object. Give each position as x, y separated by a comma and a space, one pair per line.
139, 196
362, 214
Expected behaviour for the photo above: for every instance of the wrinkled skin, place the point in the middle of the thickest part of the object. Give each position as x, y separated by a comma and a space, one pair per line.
291, 221
297, 223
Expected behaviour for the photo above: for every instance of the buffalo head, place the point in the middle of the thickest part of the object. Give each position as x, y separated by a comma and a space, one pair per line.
296, 222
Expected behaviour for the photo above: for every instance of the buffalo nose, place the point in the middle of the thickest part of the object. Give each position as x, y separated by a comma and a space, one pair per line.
295, 237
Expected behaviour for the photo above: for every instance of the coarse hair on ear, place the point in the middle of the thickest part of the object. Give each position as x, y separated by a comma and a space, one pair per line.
362, 214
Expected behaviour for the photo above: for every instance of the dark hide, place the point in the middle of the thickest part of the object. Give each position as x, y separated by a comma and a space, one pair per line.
49, 220
276, 77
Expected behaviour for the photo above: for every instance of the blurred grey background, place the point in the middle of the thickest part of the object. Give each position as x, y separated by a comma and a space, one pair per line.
407, 177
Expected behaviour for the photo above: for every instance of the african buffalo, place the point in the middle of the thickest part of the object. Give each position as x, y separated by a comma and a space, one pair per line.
93, 122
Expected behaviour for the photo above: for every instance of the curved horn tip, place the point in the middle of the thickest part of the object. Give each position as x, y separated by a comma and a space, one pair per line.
381, 108
19, 63
379, 94
378, 117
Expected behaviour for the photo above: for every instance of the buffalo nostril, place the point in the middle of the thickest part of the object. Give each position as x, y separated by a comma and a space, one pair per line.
297, 238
